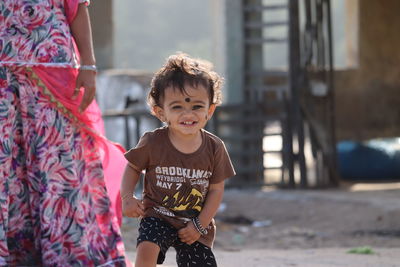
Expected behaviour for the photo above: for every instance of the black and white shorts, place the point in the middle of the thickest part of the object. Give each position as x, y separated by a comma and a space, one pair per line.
165, 236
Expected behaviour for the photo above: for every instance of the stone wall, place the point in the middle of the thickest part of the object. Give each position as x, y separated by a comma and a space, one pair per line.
368, 97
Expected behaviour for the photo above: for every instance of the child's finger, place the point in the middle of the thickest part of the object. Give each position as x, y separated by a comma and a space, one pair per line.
140, 213
141, 206
182, 232
140, 209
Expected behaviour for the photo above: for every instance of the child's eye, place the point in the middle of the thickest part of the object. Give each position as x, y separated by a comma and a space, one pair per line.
176, 107
196, 107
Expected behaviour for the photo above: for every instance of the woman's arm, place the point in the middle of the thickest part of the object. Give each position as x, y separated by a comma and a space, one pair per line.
82, 33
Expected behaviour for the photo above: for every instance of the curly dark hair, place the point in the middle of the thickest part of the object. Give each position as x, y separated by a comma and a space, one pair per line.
180, 70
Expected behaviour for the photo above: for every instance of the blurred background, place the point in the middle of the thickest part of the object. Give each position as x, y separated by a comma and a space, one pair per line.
311, 86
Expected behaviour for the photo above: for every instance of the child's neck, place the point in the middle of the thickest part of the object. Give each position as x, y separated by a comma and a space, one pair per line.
185, 143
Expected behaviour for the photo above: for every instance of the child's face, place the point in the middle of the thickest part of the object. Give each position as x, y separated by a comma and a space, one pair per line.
185, 114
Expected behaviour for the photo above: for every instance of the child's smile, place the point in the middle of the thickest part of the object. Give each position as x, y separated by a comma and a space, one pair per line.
188, 123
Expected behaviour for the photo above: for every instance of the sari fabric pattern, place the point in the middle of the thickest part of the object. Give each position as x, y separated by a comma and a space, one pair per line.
57, 206
37, 33
55, 210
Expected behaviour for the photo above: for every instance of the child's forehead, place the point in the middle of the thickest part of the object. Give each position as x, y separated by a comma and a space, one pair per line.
198, 91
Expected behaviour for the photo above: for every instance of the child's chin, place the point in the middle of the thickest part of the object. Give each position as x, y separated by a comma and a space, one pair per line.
190, 131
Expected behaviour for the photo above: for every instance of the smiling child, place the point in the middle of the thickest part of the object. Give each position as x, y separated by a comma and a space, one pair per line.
185, 167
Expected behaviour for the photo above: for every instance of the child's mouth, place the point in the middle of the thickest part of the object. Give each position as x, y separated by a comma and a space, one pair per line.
188, 123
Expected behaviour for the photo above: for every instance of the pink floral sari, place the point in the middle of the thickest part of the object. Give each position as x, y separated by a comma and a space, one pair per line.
59, 176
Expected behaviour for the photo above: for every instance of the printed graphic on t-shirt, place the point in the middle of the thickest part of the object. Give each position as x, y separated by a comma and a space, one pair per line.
187, 190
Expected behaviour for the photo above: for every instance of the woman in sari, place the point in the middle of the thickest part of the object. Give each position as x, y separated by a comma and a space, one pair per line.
55, 209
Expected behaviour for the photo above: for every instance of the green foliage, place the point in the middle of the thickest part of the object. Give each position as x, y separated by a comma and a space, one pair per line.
361, 250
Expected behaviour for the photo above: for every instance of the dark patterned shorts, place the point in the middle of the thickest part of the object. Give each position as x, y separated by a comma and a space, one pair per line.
165, 236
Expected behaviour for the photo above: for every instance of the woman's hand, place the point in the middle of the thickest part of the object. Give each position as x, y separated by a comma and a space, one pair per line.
188, 234
132, 207
87, 80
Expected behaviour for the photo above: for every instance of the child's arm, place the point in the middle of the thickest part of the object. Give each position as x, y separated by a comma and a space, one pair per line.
131, 206
189, 234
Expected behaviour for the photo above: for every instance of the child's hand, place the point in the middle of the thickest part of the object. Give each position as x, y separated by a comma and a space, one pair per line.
188, 234
132, 207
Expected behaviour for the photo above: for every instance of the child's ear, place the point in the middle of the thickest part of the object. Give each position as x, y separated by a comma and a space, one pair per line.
159, 113
211, 110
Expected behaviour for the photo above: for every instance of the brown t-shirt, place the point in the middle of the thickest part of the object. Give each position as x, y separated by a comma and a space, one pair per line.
175, 183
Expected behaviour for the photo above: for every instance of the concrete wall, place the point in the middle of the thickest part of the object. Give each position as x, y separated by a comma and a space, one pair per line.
368, 97
101, 14
228, 47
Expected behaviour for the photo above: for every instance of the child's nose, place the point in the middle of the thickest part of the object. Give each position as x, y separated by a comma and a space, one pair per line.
187, 110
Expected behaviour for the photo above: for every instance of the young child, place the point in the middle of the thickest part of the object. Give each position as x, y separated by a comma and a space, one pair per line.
185, 167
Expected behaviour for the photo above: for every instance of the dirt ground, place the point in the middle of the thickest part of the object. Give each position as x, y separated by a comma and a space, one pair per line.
272, 227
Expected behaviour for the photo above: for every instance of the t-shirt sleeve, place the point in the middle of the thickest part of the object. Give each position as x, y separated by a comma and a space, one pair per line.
139, 155
223, 167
